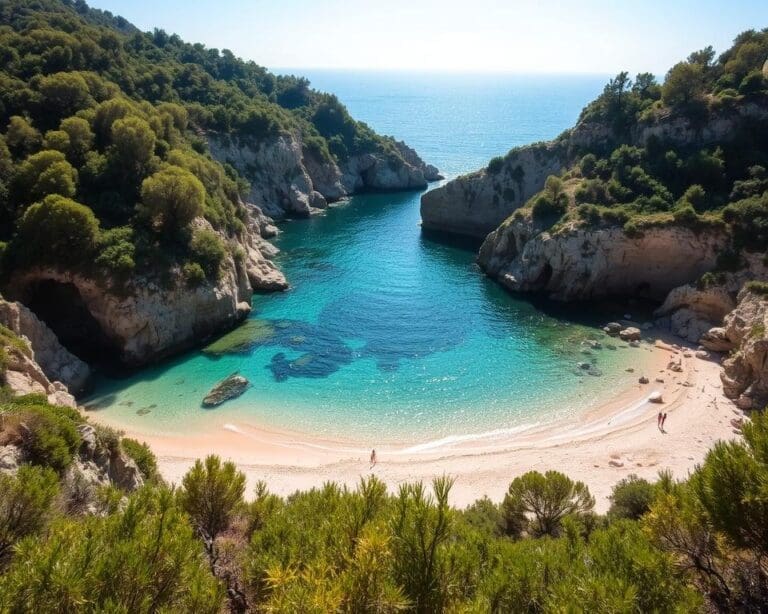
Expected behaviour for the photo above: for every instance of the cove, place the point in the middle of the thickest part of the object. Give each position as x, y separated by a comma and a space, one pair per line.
387, 334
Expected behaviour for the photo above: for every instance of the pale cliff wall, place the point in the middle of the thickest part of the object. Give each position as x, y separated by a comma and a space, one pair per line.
582, 264
288, 180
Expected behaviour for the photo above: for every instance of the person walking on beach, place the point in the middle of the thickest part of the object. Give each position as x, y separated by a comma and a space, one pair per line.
373, 458
663, 420
658, 421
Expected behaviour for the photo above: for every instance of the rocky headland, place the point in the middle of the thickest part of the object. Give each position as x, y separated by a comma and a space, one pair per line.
674, 259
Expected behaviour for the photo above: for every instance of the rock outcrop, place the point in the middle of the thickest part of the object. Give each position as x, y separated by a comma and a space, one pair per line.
689, 311
582, 264
149, 318
288, 179
55, 362
477, 203
692, 311
745, 372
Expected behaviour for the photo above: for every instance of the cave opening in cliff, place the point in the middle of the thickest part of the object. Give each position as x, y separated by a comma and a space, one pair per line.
61, 307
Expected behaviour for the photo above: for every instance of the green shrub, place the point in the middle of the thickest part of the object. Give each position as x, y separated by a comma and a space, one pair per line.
546, 209
143, 457
631, 498
210, 493
209, 251
116, 251
25, 504
757, 287
51, 438
496, 165
142, 557
57, 231
548, 498
193, 273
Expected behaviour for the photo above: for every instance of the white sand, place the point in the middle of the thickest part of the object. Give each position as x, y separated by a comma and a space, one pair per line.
599, 448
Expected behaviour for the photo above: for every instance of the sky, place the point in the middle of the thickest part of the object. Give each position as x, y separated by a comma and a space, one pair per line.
518, 36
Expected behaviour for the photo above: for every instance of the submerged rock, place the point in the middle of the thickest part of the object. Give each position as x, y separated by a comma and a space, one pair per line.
228, 388
243, 338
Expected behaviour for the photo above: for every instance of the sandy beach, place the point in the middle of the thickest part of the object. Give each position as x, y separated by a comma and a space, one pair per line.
599, 447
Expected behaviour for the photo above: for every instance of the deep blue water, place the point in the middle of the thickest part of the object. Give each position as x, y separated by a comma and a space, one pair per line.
387, 334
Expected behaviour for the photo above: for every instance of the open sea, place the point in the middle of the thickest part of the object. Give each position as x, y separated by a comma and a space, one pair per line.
388, 335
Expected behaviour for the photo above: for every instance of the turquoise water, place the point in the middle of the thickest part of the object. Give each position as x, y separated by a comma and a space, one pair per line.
387, 334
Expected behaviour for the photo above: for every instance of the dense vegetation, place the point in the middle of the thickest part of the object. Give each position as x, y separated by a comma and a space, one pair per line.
102, 165
637, 174
697, 545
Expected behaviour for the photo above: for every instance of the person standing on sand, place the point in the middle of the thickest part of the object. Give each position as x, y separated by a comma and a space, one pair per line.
663, 420
373, 458
658, 421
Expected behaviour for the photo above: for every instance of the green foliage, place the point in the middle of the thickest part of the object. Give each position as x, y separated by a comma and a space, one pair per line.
118, 106
496, 165
683, 85
25, 504
171, 199
48, 433
44, 173
631, 498
143, 558
143, 457
57, 231
757, 287
548, 499
210, 494
193, 273
748, 219
208, 250
116, 251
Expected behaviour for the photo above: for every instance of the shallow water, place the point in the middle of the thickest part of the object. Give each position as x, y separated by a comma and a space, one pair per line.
388, 334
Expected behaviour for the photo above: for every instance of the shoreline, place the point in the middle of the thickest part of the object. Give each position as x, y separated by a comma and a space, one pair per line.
599, 447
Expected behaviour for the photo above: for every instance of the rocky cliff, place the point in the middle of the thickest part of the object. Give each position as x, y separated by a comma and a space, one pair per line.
288, 179
149, 318
37, 363
745, 371
577, 263
477, 203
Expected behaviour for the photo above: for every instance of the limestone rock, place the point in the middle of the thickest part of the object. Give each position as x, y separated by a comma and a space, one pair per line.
612, 328
745, 372
630, 334
693, 311
655, 397
56, 362
228, 388
288, 179
10, 458
584, 264
477, 203
716, 340
643, 380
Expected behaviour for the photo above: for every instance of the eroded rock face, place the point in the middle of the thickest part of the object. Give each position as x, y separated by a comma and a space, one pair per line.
475, 204
690, 311
583, 264
745, 372
289, 180
53, 359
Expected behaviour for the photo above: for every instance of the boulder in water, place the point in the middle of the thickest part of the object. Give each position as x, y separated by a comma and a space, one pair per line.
228, 388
